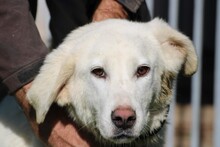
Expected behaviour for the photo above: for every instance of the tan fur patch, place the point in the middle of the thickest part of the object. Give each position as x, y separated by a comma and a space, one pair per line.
167, 79
164, 97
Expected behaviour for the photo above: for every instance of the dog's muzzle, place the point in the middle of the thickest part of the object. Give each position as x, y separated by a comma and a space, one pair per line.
124, 119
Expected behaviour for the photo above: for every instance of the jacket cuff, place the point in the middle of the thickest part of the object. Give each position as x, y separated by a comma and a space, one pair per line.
131, 5
23, 76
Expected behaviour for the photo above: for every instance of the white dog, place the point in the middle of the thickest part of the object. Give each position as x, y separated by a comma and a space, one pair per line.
115, 77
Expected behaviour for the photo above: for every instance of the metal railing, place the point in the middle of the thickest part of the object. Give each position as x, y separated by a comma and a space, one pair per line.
196, 84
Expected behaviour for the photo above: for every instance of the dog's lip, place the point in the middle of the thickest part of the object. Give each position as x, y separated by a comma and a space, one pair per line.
123, 135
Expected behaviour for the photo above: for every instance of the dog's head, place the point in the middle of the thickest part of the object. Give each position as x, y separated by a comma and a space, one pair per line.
115, 77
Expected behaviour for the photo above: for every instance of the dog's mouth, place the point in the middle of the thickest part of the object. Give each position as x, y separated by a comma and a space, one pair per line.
127, 136
124, 136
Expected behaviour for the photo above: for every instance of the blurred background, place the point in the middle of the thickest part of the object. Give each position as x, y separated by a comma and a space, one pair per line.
194, 120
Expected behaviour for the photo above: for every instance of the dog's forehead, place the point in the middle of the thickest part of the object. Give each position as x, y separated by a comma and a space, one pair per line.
113, 41
117, 44
116, 49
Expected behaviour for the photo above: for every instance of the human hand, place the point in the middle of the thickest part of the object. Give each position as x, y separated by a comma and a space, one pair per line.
109, 9
58, 130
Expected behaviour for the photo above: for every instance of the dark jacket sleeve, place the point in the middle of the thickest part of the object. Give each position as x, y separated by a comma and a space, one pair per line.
21, 49
132, 5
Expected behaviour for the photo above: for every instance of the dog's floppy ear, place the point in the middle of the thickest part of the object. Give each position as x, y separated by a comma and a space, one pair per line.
57, 69
177, 49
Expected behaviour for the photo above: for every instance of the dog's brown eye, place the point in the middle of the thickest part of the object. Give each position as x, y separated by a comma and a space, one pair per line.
142, 71
99, 72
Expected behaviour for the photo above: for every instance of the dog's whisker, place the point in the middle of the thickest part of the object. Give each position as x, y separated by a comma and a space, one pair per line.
86, 125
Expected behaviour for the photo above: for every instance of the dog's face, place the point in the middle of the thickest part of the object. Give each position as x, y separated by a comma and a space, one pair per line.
116, 81
115, 77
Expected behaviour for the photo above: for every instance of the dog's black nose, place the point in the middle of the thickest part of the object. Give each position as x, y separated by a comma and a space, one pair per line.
123, 117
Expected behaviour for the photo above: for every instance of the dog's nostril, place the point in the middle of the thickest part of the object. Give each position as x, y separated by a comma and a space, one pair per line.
118, 121
123, 117
130, 121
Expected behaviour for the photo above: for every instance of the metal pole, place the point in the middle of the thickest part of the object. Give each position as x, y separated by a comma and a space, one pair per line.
217, 79
150, 4
196, 81
173, 13
173, 21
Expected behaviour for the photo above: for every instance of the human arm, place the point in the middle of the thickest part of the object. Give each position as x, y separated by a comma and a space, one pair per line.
22, 53
21, 50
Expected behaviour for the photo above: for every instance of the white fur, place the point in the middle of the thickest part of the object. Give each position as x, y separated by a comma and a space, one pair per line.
15, 130
119, 47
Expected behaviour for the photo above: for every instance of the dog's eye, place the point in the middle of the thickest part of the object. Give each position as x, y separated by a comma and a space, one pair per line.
99, 72
142, 71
